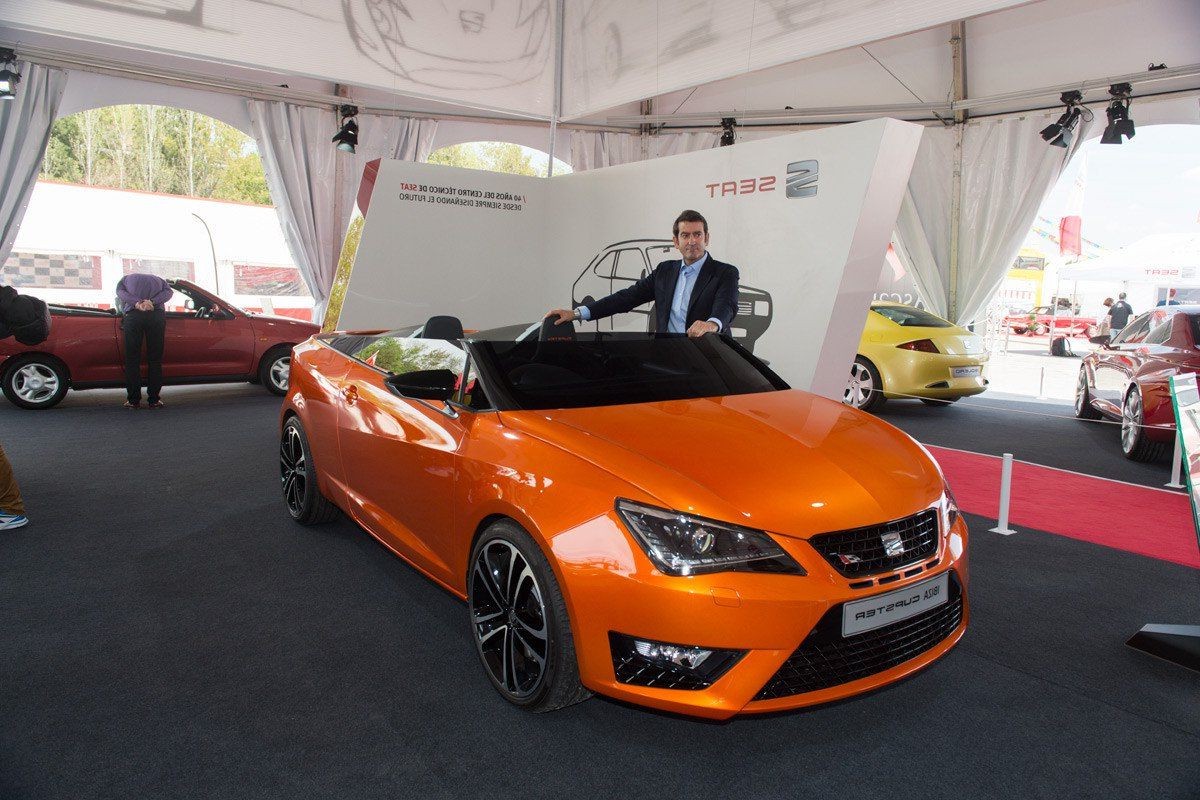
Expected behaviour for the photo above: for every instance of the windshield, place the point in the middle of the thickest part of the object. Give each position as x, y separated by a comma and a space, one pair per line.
911, 317
605, 369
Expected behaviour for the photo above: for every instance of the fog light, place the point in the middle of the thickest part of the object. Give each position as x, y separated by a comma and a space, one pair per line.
646, 662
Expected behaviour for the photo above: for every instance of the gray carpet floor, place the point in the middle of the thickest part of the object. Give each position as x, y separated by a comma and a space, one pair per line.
166, 631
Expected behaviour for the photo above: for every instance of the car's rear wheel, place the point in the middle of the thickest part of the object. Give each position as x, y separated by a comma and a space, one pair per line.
298, 478
1083, 398
519, 621
1134, 442
864, 389
35, 382
275, 369
1037, 329
939, 401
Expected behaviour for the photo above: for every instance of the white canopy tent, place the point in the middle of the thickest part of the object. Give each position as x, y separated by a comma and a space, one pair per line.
612, 81
1164, 259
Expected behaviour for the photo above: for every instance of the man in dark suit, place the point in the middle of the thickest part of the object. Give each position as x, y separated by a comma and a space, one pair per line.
697, 295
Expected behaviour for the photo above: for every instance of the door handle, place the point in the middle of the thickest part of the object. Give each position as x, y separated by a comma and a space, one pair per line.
350, 394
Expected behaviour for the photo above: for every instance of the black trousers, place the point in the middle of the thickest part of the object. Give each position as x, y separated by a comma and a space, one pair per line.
151, 327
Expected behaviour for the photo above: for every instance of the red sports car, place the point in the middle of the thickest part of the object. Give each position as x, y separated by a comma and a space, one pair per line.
208, 341
1128, 378
1042, 319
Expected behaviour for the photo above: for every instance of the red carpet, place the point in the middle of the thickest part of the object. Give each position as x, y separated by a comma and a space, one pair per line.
1150, 522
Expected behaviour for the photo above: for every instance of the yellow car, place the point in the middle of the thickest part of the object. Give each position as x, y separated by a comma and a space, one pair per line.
908, 352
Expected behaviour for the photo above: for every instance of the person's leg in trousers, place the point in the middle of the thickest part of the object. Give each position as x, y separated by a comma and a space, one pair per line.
10, 493
132, 325
156, 334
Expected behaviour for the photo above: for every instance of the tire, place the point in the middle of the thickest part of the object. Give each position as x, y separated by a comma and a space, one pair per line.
864, 387
298, 478
1134, 442
274, 369
935, 401
517, 622
35, 382
1019, 330
1083, 398
1037, 329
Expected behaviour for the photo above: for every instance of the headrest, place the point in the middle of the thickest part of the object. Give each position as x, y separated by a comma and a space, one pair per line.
551, 331
448, 328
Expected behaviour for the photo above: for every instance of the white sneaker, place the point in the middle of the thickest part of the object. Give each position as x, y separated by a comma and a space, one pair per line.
8, 521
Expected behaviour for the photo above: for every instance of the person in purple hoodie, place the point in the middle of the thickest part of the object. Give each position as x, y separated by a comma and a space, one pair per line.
143, 300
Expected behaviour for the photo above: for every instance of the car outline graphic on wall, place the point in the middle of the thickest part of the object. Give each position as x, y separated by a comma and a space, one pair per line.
620, 264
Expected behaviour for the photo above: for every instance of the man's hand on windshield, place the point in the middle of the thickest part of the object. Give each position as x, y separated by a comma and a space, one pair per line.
562, 314
701, 327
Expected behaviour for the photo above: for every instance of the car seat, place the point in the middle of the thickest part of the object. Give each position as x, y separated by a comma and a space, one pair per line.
442, 327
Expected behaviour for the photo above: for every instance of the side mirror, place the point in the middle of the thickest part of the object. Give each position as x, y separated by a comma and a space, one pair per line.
1101, 340
424, 384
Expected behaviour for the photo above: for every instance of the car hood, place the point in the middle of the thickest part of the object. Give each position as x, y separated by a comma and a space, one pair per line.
788, 461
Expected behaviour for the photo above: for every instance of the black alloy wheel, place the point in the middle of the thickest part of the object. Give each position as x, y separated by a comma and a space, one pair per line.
35, 382
275, 369
519, 621
1083, 398
1134, 442
298, 478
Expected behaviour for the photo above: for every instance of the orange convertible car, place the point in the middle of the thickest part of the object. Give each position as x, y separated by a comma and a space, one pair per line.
654, 518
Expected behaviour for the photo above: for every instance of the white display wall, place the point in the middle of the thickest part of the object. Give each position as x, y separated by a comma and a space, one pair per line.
496, 249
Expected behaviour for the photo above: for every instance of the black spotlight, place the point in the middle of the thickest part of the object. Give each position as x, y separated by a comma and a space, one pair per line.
1061, 133
1120, 126
728, 137
347, 135
9, 77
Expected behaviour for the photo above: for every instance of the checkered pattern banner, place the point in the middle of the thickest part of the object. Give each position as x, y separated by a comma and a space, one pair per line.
268, 281
162, 267
51, 271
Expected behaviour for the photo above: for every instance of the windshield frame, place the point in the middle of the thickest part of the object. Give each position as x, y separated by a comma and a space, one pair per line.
501, 399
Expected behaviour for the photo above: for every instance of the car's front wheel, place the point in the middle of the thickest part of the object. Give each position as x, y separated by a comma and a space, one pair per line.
864, 389
1134, 442
1083, 398
275, 369
519, 621
35, 382
298, 478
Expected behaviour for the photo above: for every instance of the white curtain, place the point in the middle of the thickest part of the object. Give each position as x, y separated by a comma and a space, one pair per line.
298, 160
1007, 170
24, 131
301, 166
595, 149
399, 138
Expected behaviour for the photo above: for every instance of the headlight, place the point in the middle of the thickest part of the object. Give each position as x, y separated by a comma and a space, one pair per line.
680, 544
949, 508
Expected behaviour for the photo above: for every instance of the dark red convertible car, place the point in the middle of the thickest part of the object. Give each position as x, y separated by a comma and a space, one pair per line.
208, 341
1041, 319
1128, 378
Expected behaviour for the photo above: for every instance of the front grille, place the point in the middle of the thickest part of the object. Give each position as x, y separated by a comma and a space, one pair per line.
826, 659
745, 307
860, 551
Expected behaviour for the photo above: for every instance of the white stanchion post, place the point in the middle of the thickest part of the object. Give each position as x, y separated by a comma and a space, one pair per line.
1005, 496
1176, 466
1041, 395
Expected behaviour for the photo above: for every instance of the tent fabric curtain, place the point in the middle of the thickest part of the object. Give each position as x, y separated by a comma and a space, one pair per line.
1007, 170
397, 138
313, 198
25, 123
298, 160
592, 150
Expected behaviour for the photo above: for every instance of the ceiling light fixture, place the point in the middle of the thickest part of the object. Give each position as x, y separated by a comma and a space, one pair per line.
347, 135
1062, 133
728, 136
9, 77
1120, 126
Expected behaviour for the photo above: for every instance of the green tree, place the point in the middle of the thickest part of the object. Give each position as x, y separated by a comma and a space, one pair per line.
341, 279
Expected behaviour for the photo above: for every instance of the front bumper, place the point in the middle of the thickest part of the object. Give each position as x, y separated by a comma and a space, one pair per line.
777, 619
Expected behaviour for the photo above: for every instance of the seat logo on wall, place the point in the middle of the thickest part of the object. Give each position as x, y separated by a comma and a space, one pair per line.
802, 178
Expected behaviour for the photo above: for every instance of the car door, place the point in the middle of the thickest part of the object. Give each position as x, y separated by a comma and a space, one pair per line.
1118, 361
630, 267
596, 282
201, 343
398, 456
